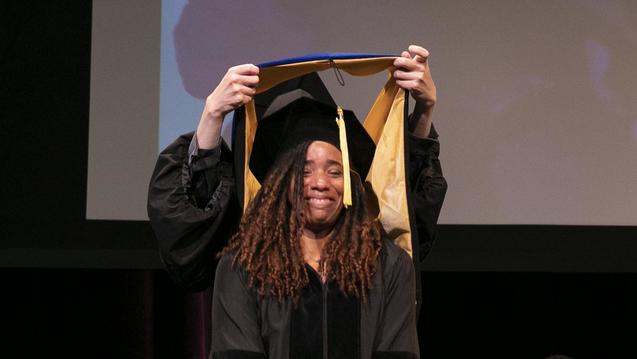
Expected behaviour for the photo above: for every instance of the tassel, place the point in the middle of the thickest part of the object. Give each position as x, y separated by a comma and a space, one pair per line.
342, 137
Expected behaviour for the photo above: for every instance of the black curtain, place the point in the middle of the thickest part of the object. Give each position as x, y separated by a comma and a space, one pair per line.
120, 313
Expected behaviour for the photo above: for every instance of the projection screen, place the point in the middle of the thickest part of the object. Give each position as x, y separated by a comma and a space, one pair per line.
537, 110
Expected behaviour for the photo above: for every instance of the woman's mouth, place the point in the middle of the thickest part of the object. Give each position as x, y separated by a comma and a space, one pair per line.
319, 201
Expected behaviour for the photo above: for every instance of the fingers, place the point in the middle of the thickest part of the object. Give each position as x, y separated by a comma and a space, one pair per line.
407, 75
239, 94
408, 69
408, 64
246, 90
419, 53
237, 88
409, 85
412, 73
413, 59
245, 69
245, 75
249, 81
240, 100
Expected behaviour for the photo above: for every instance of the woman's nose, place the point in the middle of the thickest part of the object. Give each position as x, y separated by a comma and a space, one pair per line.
318, 182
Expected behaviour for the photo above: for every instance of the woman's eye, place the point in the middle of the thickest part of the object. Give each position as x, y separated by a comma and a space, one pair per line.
336, 173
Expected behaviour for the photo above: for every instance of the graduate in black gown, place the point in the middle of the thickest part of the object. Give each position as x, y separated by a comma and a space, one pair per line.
308, 274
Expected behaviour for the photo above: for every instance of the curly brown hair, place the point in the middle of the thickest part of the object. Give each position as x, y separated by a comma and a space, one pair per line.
267, 244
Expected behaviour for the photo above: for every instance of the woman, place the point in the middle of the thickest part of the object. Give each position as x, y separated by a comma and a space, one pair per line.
305, 277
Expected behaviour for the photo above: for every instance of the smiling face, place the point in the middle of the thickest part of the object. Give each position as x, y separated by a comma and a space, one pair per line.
323, 187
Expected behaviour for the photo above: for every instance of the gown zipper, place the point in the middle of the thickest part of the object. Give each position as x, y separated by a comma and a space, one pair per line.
324, 285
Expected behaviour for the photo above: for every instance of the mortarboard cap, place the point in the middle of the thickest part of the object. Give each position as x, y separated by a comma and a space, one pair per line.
298, 118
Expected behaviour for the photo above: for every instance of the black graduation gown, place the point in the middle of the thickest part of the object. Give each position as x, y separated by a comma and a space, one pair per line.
193, 206
324, 323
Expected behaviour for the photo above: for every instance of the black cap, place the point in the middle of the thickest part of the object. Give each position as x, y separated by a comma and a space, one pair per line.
295, 117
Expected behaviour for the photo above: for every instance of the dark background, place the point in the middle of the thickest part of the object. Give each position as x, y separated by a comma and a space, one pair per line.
83, 288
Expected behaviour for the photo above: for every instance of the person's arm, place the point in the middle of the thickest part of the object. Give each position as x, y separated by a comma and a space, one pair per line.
193, 209
236, 330
236, 89
192, 203
398, 338
427, 188
427, 184
413, 74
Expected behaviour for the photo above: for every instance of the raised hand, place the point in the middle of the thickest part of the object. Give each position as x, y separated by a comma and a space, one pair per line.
412, 74
237, 88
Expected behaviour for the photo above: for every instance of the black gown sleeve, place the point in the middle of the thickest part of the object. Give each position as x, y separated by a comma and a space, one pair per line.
235, 320
193, 209
428, 188
397, 337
